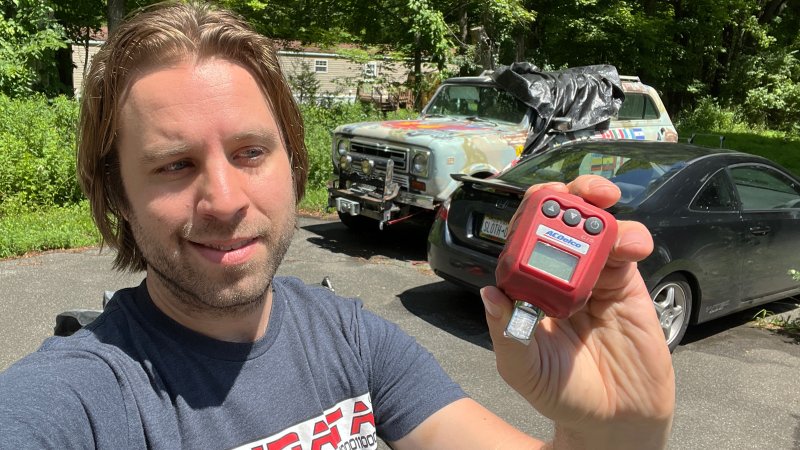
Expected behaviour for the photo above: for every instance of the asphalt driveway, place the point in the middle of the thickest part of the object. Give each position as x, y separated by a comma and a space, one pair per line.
737, 385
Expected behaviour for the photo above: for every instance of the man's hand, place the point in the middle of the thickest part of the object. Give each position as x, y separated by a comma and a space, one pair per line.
605, 374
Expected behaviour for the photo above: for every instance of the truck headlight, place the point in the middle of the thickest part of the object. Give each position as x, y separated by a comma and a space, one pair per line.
344, 162
419, 165
342, 148
367, 166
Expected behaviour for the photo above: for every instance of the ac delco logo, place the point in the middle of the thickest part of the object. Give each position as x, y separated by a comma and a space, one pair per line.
561, 238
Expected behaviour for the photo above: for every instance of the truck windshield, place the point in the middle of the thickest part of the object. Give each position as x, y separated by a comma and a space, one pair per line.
479, 102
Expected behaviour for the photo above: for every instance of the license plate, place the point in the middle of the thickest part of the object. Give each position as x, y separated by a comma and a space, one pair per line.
494, 229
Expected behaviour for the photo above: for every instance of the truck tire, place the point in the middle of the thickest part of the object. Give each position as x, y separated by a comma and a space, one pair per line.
359, 224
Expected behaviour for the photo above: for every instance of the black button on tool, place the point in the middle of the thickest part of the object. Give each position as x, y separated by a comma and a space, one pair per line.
572, 217
551, 208
593, 225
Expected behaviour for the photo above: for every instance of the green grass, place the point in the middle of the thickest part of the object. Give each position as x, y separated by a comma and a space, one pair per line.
315, 201
775, 146
55, 228
23, 231
778, 324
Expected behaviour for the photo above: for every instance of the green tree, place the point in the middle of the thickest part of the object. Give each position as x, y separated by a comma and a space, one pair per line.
304, 83
81, 19
739, 52
29, 37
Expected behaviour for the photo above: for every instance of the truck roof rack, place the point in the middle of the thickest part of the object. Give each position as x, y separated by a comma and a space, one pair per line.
633, 78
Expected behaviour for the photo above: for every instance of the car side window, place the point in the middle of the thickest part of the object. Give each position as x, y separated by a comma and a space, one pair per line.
763, 188
637, 107
715, 195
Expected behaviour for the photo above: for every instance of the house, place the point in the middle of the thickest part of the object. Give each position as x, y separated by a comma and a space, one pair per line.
322, 73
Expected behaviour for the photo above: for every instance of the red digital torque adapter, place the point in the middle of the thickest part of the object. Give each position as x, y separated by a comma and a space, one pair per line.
556, 247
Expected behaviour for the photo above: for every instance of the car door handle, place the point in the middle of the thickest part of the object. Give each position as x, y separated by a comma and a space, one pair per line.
760, 231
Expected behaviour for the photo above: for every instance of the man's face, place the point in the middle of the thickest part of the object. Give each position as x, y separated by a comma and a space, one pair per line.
208, 182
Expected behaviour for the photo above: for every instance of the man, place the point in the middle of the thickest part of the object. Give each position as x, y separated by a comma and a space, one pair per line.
191, 154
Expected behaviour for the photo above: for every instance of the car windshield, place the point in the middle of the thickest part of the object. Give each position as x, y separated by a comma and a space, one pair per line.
637, 172
476, 103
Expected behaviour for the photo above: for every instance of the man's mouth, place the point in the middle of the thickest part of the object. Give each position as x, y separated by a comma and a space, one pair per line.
229, 246
229, 252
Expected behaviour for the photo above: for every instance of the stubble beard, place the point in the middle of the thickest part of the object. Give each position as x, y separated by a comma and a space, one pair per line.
236, 290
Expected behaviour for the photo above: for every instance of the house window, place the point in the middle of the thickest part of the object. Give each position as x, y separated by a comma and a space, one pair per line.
321, 65
371, 70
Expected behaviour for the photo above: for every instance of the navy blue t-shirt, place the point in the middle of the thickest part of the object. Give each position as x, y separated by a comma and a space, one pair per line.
327, 374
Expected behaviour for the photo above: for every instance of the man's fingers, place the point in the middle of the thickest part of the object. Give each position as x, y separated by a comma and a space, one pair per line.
595, 190
634, 243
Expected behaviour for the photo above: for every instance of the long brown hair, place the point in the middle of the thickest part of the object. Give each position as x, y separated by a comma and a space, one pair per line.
154, 37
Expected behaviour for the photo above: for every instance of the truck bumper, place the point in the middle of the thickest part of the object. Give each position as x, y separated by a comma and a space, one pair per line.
356, 202
383, 205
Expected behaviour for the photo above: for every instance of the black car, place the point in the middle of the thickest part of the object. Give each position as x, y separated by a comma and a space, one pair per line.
726, 224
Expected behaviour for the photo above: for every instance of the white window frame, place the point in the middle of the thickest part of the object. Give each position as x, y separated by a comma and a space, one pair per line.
371, 69
320, 66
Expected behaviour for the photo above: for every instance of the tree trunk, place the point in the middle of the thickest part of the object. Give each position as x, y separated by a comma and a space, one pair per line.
114, 14
417, 74
519, 50
649, 7
484, 56
772, 9
463, 46
463, 26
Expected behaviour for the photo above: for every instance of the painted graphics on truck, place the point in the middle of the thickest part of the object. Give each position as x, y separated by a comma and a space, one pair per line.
454, 135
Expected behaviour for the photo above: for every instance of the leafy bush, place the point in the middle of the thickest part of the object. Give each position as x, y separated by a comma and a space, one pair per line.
772, 97
37, 147
708, 115
777, 106
29, 37
320, 120
37, 151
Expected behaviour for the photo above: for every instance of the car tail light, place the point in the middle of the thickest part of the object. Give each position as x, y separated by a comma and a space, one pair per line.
444, 208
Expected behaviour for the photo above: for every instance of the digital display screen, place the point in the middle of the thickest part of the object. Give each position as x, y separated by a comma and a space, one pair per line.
551, 260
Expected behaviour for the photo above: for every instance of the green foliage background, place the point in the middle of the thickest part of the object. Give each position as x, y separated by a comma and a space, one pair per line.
41, 205
742, 54
727, 67
29, 38
37, 152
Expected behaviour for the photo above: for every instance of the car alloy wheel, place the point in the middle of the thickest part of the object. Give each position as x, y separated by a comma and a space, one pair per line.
672, 299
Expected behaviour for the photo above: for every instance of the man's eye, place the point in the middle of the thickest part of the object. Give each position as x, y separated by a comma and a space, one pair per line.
177, 166
251, 153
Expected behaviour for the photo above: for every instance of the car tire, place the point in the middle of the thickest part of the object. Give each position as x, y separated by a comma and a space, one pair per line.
359, 224
672, 298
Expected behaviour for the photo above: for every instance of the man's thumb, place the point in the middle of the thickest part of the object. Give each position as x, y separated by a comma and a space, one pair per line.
498, 311
514, 359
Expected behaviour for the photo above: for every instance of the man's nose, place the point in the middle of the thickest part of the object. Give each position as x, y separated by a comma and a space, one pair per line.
222, 193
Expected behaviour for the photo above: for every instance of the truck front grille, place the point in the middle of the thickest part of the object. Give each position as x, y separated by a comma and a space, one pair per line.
382, 152
380, 171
